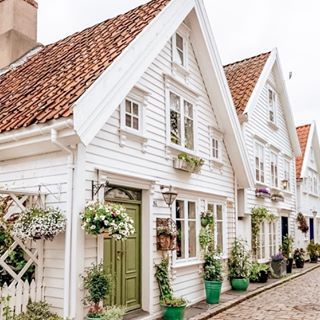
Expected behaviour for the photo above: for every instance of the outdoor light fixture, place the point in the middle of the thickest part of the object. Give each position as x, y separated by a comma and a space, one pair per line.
284, 184
95, 188
169, 196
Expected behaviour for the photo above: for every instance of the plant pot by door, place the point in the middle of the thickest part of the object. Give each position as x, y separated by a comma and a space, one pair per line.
263, 277
173, 313
239, 284
213, 291
279, 268
289, 265
299, 263
93, 318
314, 259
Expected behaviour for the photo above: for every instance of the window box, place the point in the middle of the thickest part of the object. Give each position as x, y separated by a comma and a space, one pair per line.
187, 163
263, 193
277, 197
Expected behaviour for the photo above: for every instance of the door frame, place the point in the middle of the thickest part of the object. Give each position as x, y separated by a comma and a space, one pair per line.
147, 186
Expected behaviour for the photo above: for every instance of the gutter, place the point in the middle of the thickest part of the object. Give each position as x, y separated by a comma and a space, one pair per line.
70, 182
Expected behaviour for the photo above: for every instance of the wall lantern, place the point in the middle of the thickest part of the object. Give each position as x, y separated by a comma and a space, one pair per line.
95, 188
169, 196
285, 184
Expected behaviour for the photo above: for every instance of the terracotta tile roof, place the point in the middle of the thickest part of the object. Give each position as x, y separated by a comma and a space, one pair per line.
50, 82
303, 134
32, 2
242, 78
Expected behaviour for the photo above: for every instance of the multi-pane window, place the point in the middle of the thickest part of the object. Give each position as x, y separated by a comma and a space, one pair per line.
262, 251
272, 105
181, 122
272, 238
315, 184
274, 169
287, 173
179, 45
217, 210
259, 162
185, 216
132, 115
215, 149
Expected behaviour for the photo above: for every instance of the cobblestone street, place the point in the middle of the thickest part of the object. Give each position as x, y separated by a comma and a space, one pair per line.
297, 299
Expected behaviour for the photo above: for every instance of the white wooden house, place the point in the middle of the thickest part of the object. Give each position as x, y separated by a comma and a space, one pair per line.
113, 106
308, 192
261, 101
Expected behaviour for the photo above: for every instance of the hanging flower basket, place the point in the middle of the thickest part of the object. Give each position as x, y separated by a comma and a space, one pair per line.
110, 219
37, 224
188, 163
302, 223
263, 193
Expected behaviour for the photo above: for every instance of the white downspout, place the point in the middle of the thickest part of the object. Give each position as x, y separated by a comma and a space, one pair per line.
67, 267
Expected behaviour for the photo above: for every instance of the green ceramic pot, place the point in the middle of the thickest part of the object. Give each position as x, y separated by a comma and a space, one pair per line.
213, 291
239, 284
173, 313
93, 318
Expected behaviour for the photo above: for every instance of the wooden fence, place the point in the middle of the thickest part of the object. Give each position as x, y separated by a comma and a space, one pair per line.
20, 294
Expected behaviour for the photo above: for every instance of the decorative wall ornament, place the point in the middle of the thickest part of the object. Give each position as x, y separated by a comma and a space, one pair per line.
166, 234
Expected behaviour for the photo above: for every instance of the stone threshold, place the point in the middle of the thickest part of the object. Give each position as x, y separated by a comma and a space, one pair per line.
229, 299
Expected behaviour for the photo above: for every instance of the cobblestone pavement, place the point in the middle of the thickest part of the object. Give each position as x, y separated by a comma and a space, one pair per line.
298, 299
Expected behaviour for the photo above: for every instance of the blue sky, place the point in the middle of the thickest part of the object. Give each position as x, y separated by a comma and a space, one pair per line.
241, 28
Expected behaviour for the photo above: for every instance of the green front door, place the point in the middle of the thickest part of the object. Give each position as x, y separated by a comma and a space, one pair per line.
122, 260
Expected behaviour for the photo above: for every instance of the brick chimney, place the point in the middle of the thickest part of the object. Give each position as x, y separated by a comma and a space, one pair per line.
18, 29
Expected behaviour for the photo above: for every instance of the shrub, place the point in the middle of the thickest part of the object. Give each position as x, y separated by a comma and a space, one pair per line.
212, 267
38, 311
113, 313
256, 270
239, 261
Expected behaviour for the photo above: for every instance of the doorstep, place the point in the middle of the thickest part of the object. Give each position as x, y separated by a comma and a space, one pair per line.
228, 299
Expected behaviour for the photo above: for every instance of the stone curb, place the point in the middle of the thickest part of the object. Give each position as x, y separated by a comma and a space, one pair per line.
227, 305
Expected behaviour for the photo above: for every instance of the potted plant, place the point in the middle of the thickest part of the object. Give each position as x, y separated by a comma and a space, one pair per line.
173, 308
239, 266
259, 272
313, 252
97, 283
188, 163
206, 218
277, 196
287, 249
263, 193
298, 257
166, 237
110, 219
37, 223
113, 313
212, 277
302, 223
278, 264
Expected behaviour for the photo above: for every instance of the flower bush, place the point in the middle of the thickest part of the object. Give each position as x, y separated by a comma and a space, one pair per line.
212, 267
239, 261
37, 223
109, 218
278, 257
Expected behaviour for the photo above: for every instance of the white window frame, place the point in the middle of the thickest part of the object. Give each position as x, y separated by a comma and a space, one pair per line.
182, 261
216, 134
274, 169
287, 173
184, 32
272, 107
270, 247
257, 146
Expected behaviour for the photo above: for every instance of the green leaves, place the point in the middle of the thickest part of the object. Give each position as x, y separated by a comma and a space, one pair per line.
239, 261
162, 276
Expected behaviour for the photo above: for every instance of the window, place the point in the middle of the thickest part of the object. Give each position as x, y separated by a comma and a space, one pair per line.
181, 122
218, 213
274, 169
132, 115
262, 251
259, 162
315, 184
180, 48
185, 216
287, 173
272, 105
215, 149
272, 238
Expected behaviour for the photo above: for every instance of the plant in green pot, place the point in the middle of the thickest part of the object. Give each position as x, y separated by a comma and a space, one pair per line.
97, 283
212, 277
239, 266
287, 250
298, 257
173, 308
313, 252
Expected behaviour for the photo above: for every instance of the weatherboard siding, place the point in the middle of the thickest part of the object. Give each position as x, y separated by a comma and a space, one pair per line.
48, 171
156, 164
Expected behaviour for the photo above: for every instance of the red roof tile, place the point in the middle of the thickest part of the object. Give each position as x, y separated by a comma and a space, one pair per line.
242, 78
32, 2
50, 82
303, 134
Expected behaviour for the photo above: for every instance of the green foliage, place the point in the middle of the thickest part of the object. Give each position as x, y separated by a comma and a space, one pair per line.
287, 246
113, 313
302, 223
7, 313
299, 254
206, 239
258, 215
38, 311
313, 249
212, 267
174, 302
239, 261
191, 160
256, 269
97, 282
162, 276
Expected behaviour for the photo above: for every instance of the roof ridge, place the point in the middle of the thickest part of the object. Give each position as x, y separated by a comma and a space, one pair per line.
304, 125
247, 59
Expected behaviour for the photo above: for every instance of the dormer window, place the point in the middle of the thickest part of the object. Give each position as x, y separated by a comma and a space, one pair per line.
132, 115
272, 105
180, 49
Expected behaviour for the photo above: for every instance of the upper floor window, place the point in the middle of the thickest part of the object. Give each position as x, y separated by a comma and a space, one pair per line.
315, 184
132, 115
215, 149
185, 217
180, 49
274, 169
181, 121
311, 154
259, 162
272, 105
287, 174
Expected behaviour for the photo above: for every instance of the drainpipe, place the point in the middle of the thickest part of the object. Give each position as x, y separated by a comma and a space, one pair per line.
67, 270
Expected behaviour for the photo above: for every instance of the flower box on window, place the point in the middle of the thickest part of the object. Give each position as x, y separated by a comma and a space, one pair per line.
278, 196
263, 193
187, 163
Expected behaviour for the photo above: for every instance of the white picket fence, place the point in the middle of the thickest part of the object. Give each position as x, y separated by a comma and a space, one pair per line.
20, 295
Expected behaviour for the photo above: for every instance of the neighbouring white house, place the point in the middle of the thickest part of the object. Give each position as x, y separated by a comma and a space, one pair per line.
308, 192
260, 97
103, 114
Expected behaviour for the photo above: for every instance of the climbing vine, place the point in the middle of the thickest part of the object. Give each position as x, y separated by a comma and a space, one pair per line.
302, 223
162, 276
258, 215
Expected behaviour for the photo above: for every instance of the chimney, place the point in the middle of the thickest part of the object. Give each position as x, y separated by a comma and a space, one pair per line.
18, 29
